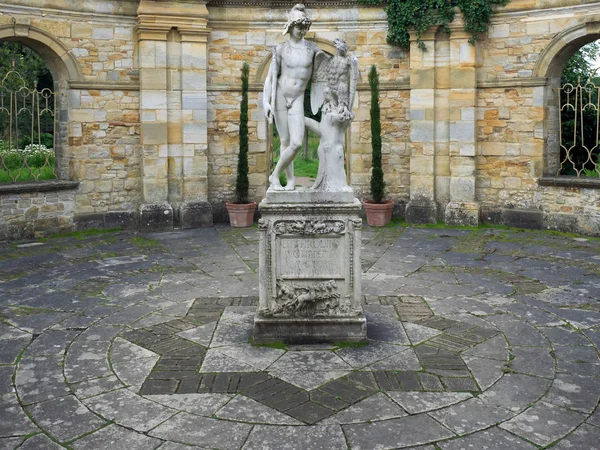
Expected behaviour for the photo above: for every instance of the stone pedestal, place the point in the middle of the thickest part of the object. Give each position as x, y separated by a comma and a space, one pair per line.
309, 271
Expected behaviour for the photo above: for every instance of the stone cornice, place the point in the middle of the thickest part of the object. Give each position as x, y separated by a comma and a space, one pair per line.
514, 82
91, 85
285, 3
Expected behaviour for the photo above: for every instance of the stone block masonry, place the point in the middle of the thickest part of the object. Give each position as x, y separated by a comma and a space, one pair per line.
148, 110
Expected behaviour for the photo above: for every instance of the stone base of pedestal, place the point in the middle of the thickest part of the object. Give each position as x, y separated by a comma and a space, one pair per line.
309, 330
309, 271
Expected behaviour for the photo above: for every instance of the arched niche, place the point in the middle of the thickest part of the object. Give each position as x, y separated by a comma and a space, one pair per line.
64, 69
263, 69
550, 65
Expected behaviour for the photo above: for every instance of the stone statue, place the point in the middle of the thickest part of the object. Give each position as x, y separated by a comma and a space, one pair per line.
283, 95
334, 87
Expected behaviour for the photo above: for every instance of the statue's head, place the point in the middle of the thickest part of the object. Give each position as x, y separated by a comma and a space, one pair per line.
340, 46
297, 17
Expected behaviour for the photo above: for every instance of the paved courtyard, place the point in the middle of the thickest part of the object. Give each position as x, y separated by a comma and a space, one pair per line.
478, 339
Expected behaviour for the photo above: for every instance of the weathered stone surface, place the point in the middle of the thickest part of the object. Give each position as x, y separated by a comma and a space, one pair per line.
533, 424
318, 437
203, 432
403, 432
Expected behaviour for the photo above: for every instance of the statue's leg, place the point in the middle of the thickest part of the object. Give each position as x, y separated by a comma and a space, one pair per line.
295, 133
297, 129
281, 122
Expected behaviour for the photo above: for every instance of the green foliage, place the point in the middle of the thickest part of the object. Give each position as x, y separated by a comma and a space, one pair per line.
377, 183
32, 70
421, 15
241, 182
28, 64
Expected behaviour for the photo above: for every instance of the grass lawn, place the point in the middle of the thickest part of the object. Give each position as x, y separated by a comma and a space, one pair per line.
25, 174
302, 167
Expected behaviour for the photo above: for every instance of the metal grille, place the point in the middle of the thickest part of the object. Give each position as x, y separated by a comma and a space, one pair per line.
579, 125
27, 130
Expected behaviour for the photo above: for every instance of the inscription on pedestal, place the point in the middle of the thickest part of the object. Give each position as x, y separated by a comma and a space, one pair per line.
306, 258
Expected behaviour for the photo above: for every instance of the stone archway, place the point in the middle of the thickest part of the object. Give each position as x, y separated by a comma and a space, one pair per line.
550, 65
64, 70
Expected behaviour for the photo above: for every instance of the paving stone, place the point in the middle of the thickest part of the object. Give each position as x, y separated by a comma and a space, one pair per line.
459, 384
405, 360
594, 419
134, 373
266, 437
51, 342
6, 384
13, 420
574, 392
157, 387
10, 443
199, 404
65, 418
585, 436
430, 382
485, 371
36, 323
200, 335
386, 331
328, 400
521, 334
115, 437
492, 439
87, 359
578, 318
228, 333
363, 356
309, 369
533, 361
258, 357
201, 431
564, 336
310, 412
376, 407
239, 314
95, 386
215, 361
544, 423
577, 360
395, 433
40, 378
516, 392
125, 351
11, 348
244, 409
8, 331
471, 415
419, 333
419, 402
129, 410
38, 442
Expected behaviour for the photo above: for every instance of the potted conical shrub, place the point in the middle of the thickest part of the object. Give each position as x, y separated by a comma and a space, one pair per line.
241, 211
378, 210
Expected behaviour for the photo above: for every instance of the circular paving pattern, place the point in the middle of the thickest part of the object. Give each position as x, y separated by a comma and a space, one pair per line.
478, 339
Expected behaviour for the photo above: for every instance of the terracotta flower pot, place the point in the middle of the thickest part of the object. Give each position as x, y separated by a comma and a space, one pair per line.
241, 214
379, 214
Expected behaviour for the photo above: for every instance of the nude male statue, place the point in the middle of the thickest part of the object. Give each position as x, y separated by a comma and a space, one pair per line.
283, 95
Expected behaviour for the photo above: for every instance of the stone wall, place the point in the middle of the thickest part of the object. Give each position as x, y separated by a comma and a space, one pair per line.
149, 107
